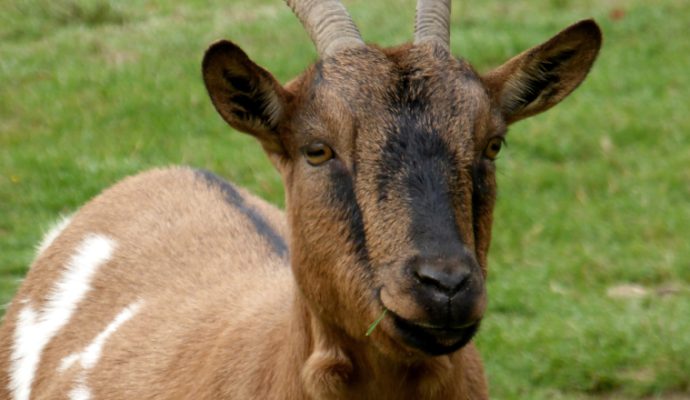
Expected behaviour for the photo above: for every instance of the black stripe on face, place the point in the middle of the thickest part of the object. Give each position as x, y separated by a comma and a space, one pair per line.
344, 199
234, 198
418, 166
483, 199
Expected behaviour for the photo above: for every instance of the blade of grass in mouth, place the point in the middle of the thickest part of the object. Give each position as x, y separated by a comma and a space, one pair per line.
376, 323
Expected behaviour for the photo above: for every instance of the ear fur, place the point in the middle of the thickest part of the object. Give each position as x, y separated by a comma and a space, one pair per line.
247, 96
542, 76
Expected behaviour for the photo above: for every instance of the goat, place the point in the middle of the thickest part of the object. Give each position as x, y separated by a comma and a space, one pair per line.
174, 284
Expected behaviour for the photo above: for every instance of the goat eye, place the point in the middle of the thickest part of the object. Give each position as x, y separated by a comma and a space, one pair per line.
317, 153
493, 148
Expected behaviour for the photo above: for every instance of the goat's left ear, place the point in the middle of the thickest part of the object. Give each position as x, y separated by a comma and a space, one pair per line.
542, 76
247, 96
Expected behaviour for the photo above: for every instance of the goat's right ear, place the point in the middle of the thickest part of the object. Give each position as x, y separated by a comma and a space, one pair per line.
247, 96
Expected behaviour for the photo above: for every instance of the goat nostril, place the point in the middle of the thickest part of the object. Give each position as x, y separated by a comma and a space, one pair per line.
447, 280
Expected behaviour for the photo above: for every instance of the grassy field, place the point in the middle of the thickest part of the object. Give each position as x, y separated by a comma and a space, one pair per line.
590, 265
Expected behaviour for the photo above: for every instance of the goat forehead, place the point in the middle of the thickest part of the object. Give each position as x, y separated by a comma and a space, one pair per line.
374, 96
370, 75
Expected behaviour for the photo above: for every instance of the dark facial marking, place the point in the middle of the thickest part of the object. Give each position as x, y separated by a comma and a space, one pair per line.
234, 198
480, 187
344, 199
483, 193
417, 162
428, 169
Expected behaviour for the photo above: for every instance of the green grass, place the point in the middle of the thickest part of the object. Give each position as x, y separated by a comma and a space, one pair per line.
594, 194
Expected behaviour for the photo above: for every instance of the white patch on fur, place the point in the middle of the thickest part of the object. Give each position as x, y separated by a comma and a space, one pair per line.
68, 361
89, 357
35, 329
53, 233
81, 392
24, 357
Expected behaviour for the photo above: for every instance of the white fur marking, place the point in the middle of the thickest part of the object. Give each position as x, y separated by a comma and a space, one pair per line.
81, 392
89, 357
35, 330
24, 357
68, 361
53, 233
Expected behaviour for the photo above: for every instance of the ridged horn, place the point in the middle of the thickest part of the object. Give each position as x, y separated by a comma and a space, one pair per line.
433, 22
328, 23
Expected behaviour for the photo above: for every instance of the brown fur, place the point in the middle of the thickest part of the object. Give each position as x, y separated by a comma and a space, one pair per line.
230, 328
227, 316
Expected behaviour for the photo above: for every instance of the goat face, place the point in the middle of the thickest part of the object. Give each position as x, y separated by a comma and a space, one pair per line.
387, 158
405, 131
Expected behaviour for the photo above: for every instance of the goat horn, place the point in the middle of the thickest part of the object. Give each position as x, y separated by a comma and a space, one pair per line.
433, 22
328, 24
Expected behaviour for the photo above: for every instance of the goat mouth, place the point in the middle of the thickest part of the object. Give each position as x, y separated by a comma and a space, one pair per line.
432, 340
